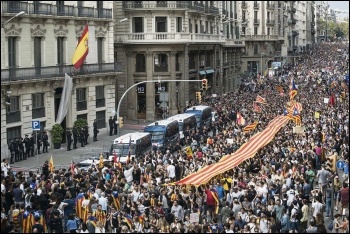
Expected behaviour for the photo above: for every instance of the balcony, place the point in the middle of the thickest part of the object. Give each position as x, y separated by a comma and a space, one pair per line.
168, 38
162, 4
32, 73
270, 22
244, 5
161, 68
295, 33
234, 43
270, 6
131, 5
81, 105
54, 10
212, 10
313, 31
256, 5
12, 117
38, 112
256, 21
260, 37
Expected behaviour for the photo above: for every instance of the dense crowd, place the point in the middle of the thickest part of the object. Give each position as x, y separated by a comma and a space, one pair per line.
286, 187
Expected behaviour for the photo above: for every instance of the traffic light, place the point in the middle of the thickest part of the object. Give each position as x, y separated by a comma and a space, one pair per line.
332, 162
198, 96
121, 123
204, 84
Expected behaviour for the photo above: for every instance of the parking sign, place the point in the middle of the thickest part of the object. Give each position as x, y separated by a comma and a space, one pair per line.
36, 125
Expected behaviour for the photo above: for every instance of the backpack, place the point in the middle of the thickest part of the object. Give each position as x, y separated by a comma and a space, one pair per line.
298, 214
90, 227
330, 226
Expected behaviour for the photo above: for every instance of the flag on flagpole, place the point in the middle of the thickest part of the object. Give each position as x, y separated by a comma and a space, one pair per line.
72, 167
100, 164
240, 120
189, 151
261, 100
82, 49
51, 166
250, 127
128, 160
292, 94
256, 107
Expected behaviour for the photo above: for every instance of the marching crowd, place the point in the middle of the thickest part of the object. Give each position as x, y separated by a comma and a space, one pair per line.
286, 187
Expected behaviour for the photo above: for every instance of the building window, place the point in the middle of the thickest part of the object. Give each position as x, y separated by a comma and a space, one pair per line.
101, 119
243, 30
38, 110
13, 133
37, 55
161, 24
256, 49
255, 15
13, 113
161, 63
81, 99
60, 7
179, 24
60, 51
137, 24
268, 31
82, 116
100, 50
12, 52
140, 63
100, 96
255, 30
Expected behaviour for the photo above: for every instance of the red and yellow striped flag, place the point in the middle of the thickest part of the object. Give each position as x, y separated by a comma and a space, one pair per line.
250, 127
261, 100
82, 49
51, 166
256, 107
279, 88
292, 94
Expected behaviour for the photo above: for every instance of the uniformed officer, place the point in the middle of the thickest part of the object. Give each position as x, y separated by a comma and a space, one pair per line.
12, 151
115, 125
32, 143
75, 137
69, 139
86, 134
82, 137
26, 142
20, 149
16, 143
111, 125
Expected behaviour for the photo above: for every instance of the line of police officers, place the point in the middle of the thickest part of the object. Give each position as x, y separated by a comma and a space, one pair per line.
17, 147
75, 135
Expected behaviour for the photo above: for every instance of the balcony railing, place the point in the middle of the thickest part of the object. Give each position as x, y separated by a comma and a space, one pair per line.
170, 38
18, 74
161, 68
140, 68
256, 5
256, 21
271, 22
54, 10
212, 10
244, 5
12, 117
293, 10
259, 37
156, 4
270, 6
234, 43
162, 3
82, 105
101, 102
292, 21
38, 112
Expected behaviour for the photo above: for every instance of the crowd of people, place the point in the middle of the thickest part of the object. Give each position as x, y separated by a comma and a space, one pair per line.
286, 187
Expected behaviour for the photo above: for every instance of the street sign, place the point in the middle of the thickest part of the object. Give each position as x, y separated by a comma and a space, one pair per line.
340, 165
36, 125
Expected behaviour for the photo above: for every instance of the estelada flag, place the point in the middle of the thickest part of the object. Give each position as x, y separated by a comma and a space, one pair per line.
100, 164
250, 127
82, 49
261, 100
51, 166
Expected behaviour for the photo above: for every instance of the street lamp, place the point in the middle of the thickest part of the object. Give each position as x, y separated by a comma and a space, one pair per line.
261, 63
18, 14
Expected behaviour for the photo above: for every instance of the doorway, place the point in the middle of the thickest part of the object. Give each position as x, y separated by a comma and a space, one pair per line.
58, 95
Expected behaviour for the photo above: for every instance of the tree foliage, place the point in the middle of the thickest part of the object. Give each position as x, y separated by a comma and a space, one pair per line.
335, 29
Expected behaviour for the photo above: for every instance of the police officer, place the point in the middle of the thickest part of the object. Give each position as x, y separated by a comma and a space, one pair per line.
111, 126
69, 139
20, 149
15, 144
38, 142
45, 139
26, 142
86, 134
95, 130
12, 151
32, 143
82, 137
115, 125
75, 137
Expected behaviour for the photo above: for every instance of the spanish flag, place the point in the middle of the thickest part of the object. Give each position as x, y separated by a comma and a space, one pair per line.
51, 166
250, 127
82, 49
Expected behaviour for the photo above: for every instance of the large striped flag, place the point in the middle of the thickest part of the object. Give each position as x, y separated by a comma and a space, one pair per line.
40, 215
240, 120
250, 127
128, 160
116, 201
27, 222
78, 205
51, 166
295, 116
82, 49
260, 100
128, 220
141, 220
216, 198
256, 107
297, 105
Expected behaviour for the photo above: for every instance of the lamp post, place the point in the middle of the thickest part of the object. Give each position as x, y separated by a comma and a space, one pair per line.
18, 14
261, 63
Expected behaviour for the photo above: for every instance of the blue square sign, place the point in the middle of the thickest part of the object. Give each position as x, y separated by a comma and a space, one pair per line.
36, 125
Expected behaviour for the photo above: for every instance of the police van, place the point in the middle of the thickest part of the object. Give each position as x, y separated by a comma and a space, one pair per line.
185, 121
203, 115
138, 143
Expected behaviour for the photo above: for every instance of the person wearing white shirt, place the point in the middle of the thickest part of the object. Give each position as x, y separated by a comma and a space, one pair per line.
316, 207
135, 194
103, 202
171, 171
3, 188
128, 174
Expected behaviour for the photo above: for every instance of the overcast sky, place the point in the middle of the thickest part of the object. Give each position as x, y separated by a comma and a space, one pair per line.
340, 5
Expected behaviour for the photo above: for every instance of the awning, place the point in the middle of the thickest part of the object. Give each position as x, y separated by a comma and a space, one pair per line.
202, 73
209, 71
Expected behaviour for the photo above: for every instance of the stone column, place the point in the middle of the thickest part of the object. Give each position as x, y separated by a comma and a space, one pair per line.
131, 95
150, 111
172, 85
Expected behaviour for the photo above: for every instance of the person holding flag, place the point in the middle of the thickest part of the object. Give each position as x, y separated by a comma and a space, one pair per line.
51, 166
100, 164
128, 160
116, 201
116, 161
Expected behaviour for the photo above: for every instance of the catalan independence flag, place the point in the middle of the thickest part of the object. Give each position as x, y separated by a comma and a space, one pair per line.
51, 166
116, 201
216, 198
40, 215
260, 100
189, 151
250, 127
293, 90
82, 49
128, 220
78, 205
27, 222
